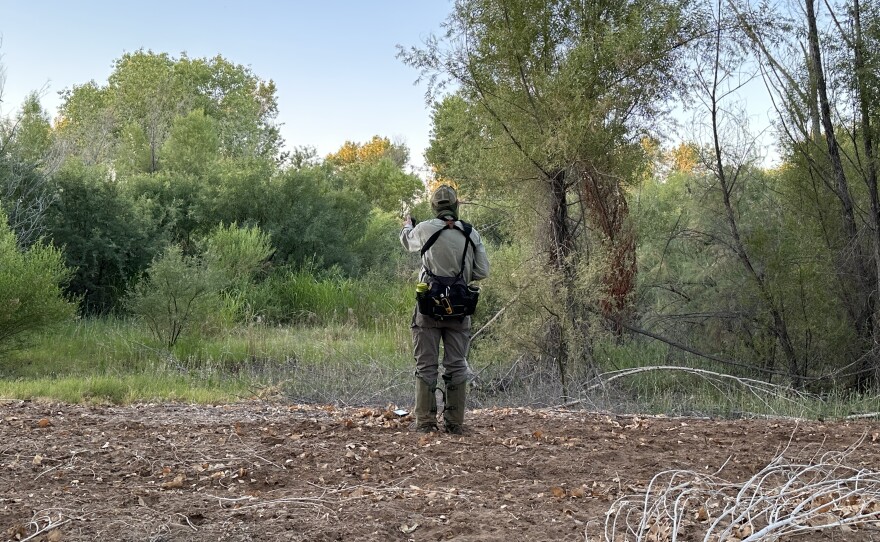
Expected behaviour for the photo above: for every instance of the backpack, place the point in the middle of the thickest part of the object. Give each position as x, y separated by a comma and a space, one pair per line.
448, 297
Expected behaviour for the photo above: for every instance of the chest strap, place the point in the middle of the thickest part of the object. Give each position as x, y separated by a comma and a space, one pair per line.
450, 225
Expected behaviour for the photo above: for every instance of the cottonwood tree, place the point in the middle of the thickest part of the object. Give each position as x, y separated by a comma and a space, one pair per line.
376, 170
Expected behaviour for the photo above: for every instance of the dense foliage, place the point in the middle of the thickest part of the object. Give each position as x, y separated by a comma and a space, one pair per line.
170, 149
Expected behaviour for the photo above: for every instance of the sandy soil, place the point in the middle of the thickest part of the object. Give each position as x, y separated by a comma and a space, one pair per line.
272, 472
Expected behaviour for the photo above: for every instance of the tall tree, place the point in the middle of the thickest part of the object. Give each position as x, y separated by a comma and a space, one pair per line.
375, 169
30, 135
730, 157
26, 189
131, 117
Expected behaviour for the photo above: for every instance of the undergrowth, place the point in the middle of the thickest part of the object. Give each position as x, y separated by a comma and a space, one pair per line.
348, 358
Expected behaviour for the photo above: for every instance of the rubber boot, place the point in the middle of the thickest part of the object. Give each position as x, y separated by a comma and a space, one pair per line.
453, 413
426, 407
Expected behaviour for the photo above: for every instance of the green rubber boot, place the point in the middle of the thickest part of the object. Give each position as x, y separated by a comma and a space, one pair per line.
426, 408
453, 412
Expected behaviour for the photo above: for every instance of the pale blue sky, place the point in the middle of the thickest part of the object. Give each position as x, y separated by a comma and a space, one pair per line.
333, 61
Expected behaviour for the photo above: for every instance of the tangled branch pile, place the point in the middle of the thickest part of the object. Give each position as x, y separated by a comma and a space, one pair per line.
786, 497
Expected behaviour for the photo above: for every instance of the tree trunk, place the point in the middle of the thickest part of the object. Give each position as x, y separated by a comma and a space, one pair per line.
577, 345
841, 184
870, 369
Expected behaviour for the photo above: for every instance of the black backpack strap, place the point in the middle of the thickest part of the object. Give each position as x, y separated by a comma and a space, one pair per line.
465, 230
431, 240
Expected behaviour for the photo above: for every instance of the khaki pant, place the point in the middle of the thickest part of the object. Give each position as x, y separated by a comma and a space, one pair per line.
427, 335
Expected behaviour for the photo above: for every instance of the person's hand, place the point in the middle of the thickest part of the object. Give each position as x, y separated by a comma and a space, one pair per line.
408, 221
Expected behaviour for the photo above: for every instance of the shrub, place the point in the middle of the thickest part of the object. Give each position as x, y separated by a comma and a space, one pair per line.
108, 237
32, 283
237, 252
178, 293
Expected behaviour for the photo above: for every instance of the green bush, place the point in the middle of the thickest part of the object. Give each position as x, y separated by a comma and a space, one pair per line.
379, 251
237, 252
178, 294
31, 288
311, 220
108, 237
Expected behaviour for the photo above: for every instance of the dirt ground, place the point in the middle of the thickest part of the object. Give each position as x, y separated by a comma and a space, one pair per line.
268, 472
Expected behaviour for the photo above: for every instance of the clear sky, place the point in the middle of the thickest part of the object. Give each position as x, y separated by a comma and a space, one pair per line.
333, 61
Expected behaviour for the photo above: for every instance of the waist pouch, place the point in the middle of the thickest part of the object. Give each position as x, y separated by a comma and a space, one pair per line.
448, 298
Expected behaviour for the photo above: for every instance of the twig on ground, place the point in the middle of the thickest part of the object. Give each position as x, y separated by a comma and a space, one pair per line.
862, 416
48, 527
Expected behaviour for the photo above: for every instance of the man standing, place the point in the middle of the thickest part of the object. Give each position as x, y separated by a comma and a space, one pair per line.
451, 253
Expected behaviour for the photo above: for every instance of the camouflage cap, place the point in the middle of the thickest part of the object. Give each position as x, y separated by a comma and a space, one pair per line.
444, 202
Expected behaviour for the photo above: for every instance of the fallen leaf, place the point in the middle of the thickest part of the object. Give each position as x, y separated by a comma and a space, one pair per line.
745, 531
272, 440
38, 460
702, 514
16, 532
177, 483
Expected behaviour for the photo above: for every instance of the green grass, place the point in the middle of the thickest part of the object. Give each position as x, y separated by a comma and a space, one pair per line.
116, 361
338, 340
299, 297
123, 389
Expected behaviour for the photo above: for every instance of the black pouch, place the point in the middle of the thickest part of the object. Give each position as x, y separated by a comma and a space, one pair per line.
448, 298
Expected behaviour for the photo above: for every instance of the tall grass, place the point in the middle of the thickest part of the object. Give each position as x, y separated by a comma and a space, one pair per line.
307, 338
302, 298
635, 376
